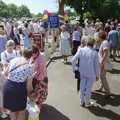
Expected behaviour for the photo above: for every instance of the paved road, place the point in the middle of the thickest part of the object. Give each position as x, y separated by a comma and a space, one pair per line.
63, 99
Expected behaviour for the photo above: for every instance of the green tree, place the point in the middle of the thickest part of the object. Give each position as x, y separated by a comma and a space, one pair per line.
12, 10
23, 11
3, 9
39, 15
100, 8
72, 13
88, 14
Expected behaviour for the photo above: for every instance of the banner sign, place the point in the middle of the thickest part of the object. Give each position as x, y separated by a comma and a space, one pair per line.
53, 21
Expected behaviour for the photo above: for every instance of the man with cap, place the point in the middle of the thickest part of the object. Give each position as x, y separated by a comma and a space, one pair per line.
89, 70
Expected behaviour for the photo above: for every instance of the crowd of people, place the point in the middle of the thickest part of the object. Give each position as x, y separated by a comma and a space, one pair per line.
94, 46
21, 32
23, 72
92, 50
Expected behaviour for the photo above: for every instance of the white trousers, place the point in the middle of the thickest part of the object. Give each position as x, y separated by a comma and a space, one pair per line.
85, 89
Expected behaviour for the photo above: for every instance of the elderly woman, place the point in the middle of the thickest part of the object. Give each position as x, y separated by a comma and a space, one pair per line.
9, 53
64, 43
15, 92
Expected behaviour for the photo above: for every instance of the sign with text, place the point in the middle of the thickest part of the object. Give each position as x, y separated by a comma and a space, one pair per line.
53, 21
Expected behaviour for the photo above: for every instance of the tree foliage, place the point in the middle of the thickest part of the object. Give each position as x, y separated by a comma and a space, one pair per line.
100, 8
39, 15
11, 10
23, 11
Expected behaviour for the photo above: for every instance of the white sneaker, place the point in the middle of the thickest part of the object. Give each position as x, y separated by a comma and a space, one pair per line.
87, 105
4, 115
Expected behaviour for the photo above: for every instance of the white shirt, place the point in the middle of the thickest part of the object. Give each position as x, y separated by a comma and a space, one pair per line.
6, 56
65, 35
76, 36
36, 27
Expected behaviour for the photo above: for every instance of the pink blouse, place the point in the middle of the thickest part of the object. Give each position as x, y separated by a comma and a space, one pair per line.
40, 68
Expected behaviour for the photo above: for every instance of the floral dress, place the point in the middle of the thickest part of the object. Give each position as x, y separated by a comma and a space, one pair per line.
41, 88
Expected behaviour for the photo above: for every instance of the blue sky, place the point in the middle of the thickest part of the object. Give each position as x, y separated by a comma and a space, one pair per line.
36, 6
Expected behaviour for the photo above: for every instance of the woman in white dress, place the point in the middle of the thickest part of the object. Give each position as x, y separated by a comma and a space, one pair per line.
65, 43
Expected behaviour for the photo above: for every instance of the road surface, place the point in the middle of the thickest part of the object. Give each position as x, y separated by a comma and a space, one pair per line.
63, 101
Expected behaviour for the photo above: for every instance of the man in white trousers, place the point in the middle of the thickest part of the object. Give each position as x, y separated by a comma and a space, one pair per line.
89, 70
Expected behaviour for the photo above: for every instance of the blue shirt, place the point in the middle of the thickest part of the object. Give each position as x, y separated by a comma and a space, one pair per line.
113, 37
88, 62
2, 44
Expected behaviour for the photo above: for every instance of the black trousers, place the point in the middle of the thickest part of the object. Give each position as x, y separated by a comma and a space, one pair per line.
77, 76
75, 45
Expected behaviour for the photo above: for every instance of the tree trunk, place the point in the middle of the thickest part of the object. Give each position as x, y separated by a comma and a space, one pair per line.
61, 7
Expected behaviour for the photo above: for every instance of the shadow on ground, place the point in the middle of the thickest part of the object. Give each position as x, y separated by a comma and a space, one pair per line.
114, 71
50, 113
102, 100
101, 112
68, 63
